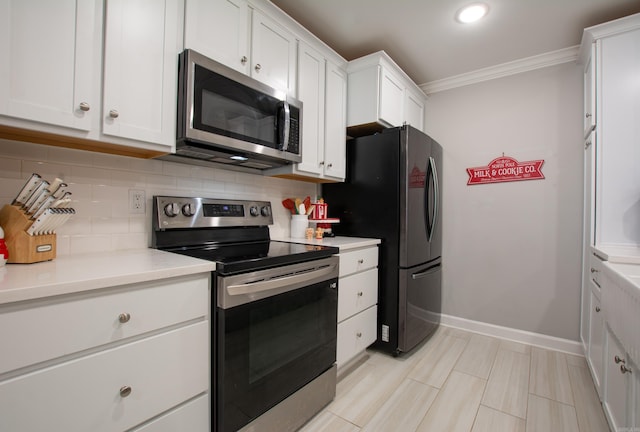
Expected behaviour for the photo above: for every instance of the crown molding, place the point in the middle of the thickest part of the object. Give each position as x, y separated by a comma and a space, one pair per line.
552, 58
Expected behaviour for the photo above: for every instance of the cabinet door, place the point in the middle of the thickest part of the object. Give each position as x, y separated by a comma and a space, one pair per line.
311, 91
219, 29
618, 392
335, 123
590, 94
273, 54
47, 69
391, 98
596, 342
414, 109
140, 70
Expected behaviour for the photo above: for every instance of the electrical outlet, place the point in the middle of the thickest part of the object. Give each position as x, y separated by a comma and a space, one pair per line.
136, 201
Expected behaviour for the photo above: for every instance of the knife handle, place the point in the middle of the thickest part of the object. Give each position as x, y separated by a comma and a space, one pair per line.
27, 189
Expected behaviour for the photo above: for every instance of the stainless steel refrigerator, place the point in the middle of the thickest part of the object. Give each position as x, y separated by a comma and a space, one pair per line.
393, 191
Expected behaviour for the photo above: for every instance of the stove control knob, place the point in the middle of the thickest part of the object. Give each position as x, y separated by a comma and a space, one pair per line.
254, 211
187, 210
172, 209
265, 211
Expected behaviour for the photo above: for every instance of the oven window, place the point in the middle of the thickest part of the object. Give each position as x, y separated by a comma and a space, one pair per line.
270, 348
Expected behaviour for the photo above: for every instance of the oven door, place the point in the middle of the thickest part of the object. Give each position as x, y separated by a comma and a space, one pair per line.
276, 332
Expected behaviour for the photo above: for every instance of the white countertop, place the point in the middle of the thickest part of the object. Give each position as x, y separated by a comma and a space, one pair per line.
343, 243
618, 254
75, 273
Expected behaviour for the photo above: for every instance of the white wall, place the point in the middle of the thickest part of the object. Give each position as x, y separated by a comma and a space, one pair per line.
100, 185
512, 251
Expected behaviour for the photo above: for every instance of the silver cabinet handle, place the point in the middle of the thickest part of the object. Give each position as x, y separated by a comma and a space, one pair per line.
360, 261
359, 293
321, 163
597, 308
114, 114
624, 369
587, 115
124, 318
330, 165
125, 391
84, 106
617, 359
258, 67
244, 60
359, 334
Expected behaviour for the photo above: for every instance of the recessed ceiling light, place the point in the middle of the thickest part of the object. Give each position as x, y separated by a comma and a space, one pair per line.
472, 13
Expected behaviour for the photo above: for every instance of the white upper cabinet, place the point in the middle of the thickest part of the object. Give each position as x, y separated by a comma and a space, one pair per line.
140, 69
238, 35
381, 95
335, 123
51, 81
273, 53
48, 71
219, 30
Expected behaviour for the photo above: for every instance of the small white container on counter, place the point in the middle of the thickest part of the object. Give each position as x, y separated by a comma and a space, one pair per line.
299, 224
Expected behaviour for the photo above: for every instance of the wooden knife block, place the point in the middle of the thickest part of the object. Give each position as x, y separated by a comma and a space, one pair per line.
23, 248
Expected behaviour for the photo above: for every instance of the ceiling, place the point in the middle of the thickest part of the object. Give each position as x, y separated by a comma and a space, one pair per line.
423, 37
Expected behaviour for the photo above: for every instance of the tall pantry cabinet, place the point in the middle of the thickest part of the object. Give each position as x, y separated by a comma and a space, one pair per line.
610, 55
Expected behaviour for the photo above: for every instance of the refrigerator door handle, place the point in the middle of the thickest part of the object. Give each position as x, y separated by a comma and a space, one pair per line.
425, 273
436, 195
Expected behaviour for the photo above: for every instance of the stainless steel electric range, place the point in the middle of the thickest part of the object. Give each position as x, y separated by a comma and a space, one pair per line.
273, 312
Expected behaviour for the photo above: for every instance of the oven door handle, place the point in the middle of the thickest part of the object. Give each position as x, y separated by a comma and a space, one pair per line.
280, 282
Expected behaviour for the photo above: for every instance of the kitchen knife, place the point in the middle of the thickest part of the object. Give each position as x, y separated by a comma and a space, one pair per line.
36, 194
36, 227
57, 187
40, 200
27, 189
44, 206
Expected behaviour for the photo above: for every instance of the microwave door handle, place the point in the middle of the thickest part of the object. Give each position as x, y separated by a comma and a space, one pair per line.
285, 125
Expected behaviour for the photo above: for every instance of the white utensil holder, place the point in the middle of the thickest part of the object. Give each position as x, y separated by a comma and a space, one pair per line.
299, 224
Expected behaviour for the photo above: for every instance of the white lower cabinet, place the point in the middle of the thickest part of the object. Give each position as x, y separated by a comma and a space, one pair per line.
357, 303
596, 343
108, 360
619, 398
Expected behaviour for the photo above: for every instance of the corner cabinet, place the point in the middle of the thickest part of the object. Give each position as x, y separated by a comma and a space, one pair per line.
322, 88
381, 95
132, 357
357, 303
50, 86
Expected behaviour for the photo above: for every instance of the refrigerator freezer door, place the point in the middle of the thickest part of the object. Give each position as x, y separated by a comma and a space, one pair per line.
420, 304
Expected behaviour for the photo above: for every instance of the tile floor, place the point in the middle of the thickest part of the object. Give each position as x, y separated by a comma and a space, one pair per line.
460, 381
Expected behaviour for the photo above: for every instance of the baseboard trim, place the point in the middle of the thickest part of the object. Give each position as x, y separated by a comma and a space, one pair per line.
530, 338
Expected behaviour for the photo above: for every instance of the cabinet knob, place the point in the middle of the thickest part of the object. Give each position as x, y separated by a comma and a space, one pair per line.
597, 308
114, 114
587, 115
588, 143
84, 106
593, 270
125, 391
124, 318
359, 334
321, 163
258, 67
624, 369
361, 261
617, 359
329, 165
244, 60
359, 293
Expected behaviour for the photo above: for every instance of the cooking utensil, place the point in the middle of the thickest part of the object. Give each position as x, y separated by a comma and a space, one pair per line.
27, 189
307, 202
297, 203
289, 205
302, 209
310, 209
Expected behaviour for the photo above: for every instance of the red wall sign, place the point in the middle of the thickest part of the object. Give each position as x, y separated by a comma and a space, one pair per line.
505, 169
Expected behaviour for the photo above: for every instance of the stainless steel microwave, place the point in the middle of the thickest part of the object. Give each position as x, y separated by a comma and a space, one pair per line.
227, 117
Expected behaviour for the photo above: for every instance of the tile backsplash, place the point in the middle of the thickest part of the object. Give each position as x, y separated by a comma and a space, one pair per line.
100, 185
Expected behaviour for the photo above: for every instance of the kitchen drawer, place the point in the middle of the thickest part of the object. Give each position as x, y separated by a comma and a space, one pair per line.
356, 293
358, 260
356, 334
86, 394
192, 416
37, 331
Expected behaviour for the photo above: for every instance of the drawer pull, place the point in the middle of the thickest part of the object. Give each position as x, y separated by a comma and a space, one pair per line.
124, 318
359, 334
359, 293
597, 308
593, 270
125, 391
360, 261
618, 360
624, 369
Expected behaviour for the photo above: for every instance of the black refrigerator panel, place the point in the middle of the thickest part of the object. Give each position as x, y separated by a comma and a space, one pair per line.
420, 303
